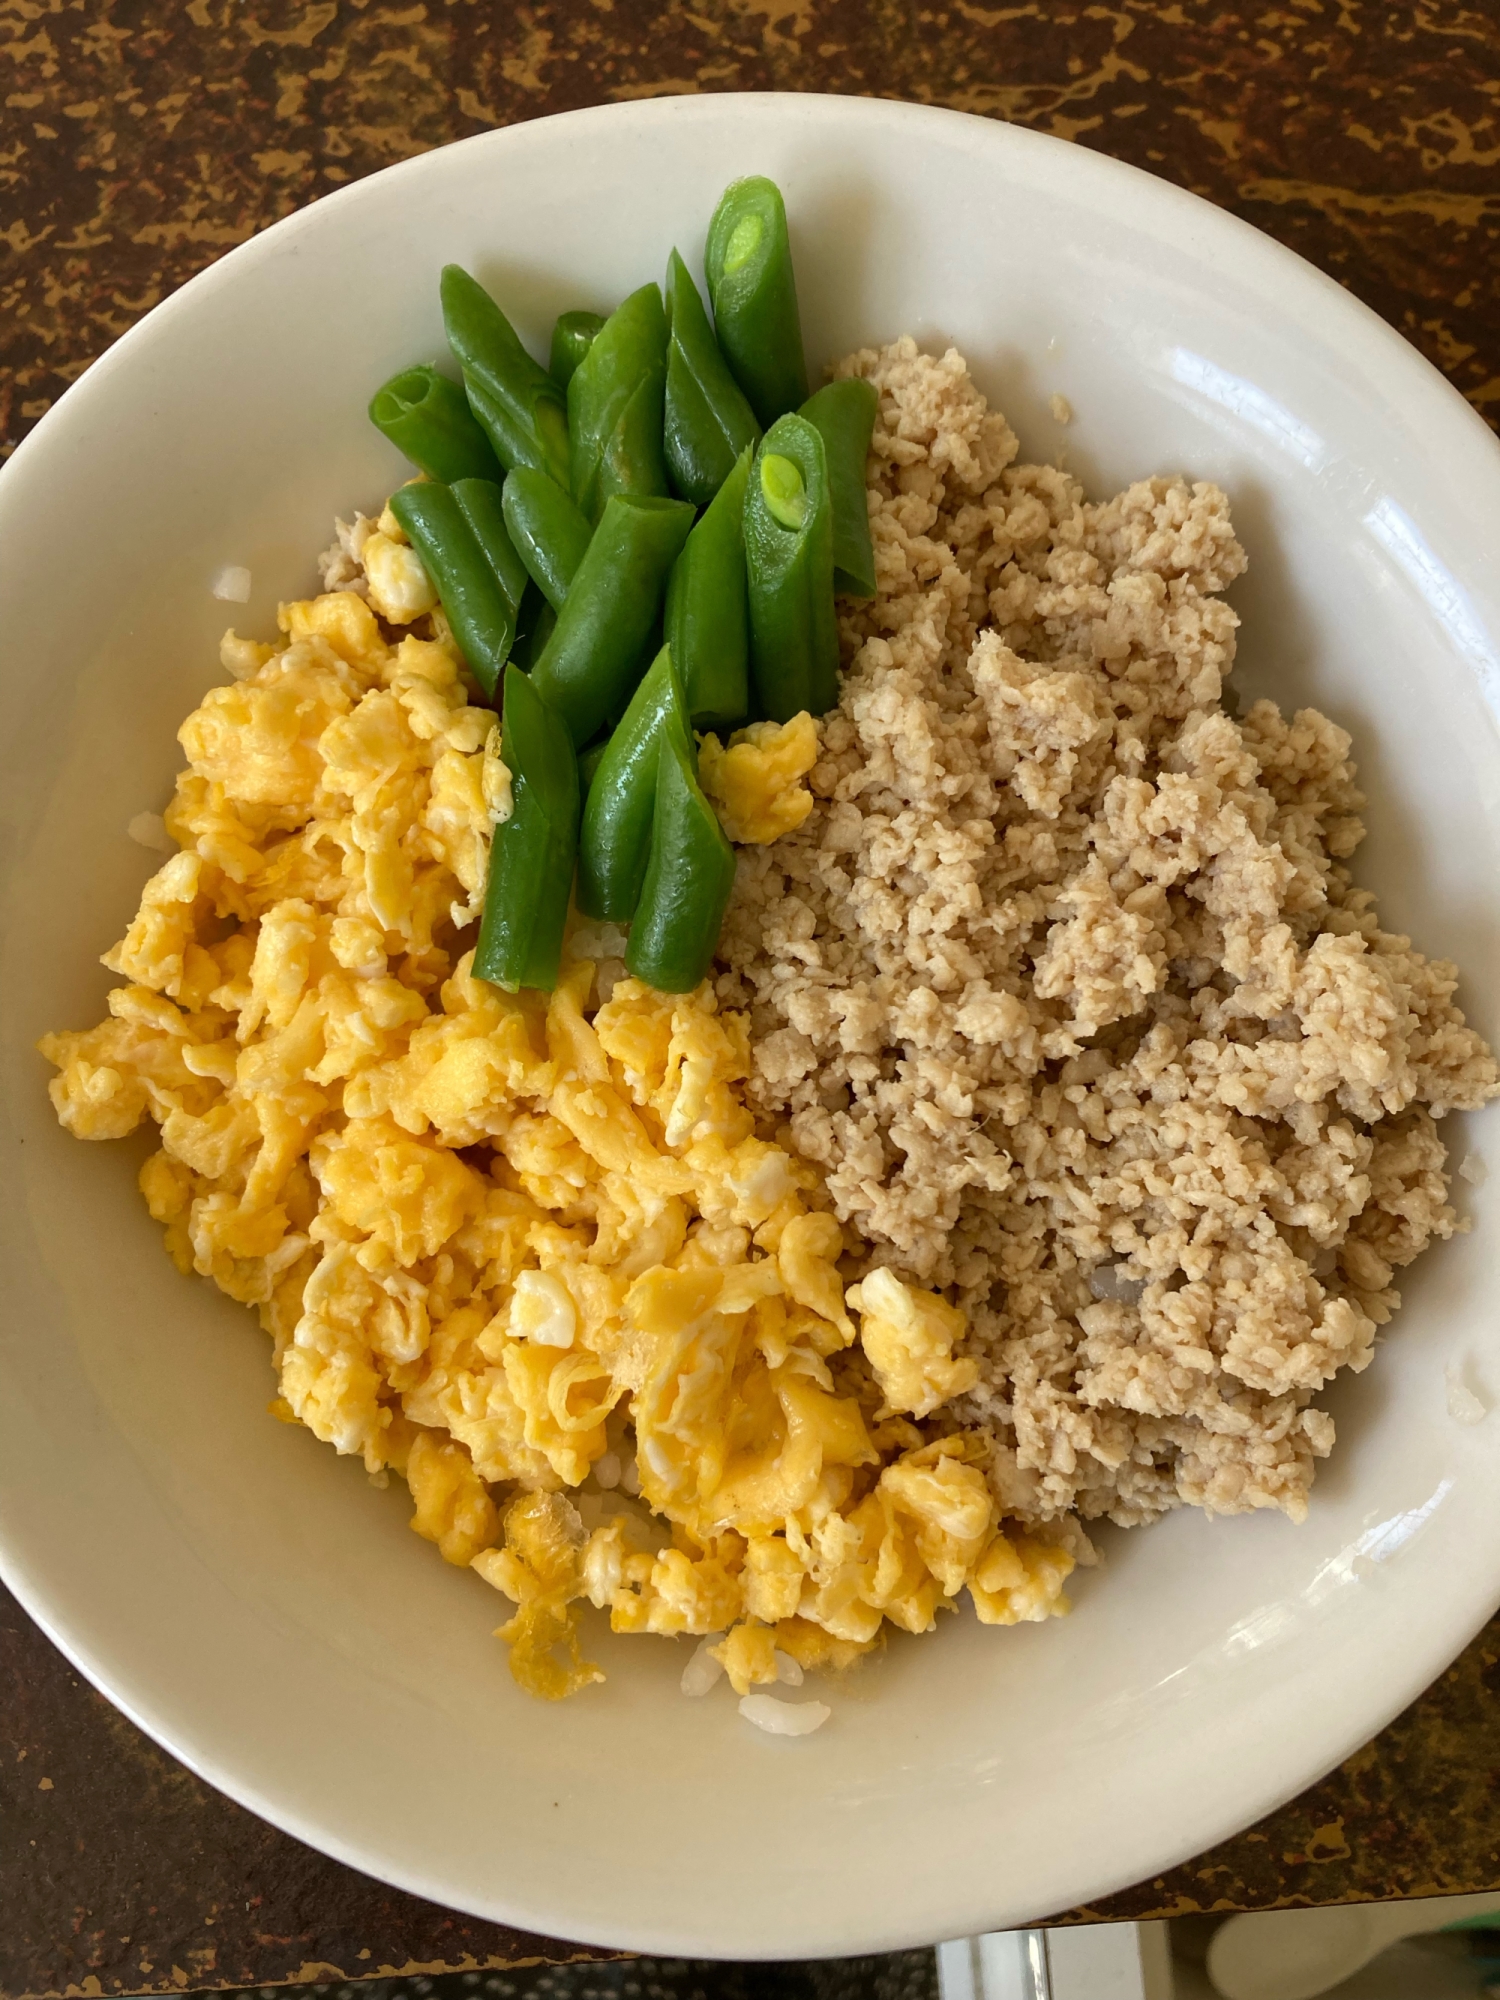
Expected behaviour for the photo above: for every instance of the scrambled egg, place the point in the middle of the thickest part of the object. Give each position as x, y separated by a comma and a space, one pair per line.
491, 1235
908, 1338
756, 783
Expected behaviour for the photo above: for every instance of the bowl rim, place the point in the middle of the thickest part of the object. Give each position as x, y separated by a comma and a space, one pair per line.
1218, 239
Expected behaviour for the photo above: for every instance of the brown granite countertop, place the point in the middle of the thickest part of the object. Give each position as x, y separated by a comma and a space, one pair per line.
121, 1873
140, 139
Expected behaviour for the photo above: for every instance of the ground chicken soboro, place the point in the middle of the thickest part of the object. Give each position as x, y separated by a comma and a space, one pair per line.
1065, 985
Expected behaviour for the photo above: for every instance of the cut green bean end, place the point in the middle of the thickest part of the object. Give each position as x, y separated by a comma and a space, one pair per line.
783, 490
744, 241
401, 395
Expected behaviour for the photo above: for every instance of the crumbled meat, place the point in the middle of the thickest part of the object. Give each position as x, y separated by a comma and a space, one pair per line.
1065, 985
341, 565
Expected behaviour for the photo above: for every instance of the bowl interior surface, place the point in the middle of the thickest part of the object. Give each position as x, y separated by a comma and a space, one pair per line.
242, 1592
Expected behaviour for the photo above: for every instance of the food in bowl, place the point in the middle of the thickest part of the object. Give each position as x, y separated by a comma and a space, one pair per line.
1023, 1132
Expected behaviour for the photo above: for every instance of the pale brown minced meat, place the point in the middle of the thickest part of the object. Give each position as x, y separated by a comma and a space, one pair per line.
1065, 984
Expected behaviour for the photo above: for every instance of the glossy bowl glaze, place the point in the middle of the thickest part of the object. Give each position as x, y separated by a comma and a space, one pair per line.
239, 1590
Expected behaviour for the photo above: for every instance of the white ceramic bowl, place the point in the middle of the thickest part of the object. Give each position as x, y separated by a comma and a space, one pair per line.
240, 1591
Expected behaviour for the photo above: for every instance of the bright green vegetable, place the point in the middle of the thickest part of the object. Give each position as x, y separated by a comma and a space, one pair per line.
615, 404
477, 601
572, 338
708, 423
708, 612
784, 490
794, 638
614, 842
519, 406
532, 852
482, 504
689, 876
549, 533
428, 417
593, 659
535, 621
844, 416
748, 264
588, 763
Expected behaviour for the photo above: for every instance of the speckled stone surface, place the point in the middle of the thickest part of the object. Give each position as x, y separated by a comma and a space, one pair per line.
139, 140
122, 1873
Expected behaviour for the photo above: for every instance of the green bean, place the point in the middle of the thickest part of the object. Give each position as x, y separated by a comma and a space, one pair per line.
708, 422
794, 638
532, 852
572, 338
614, 841
844, 416
593, 659
689, 877
519, 406
548, 531
476, 601
588, 764
748, 264
708, 613
535, 621
615, 402
428, 417
482, 504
